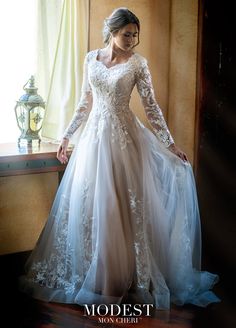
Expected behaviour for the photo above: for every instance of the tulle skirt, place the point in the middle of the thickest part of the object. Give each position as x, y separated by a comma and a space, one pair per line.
124, 224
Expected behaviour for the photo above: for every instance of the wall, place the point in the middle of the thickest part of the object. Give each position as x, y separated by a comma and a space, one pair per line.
169, 42
182, 73
25, 204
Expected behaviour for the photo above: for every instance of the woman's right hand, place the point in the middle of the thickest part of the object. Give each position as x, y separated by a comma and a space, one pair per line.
61, 152
178, 152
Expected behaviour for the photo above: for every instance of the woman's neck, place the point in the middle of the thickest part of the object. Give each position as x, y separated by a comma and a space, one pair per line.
114, 53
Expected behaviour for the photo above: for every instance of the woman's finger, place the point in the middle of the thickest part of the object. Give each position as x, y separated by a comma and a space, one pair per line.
58, 153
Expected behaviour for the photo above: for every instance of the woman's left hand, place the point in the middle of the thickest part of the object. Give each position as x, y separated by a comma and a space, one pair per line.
178, 152
61, 152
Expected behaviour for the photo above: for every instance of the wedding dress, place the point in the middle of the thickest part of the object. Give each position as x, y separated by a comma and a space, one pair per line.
125, 220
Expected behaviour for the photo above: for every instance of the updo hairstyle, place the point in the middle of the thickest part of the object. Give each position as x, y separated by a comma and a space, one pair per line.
119, 18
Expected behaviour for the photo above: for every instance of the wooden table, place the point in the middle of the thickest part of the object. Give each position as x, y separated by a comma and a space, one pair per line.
28, 159
29, 178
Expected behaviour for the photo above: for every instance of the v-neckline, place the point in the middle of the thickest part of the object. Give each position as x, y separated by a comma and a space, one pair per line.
119, 64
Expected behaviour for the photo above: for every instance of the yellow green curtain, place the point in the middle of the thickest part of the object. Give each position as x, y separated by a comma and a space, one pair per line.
62, 45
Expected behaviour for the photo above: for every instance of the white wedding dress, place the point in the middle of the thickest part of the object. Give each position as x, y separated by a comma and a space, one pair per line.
125, 221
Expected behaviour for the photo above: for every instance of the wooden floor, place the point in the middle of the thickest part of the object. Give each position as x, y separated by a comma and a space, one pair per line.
23, 312
20, 311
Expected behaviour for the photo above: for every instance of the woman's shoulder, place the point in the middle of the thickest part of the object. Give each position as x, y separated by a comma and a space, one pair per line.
140, 60
91, 54
140, 57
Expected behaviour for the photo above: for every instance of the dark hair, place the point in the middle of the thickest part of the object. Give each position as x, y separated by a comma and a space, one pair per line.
119, 18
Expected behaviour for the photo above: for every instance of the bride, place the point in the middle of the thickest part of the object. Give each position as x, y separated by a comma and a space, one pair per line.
124, 224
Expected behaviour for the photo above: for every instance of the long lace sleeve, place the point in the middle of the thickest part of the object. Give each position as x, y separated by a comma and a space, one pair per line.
152, 109
84, 105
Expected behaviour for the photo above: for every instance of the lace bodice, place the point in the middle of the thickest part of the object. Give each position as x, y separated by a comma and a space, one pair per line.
108, 90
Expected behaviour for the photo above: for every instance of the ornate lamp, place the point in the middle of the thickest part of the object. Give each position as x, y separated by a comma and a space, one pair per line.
30, 110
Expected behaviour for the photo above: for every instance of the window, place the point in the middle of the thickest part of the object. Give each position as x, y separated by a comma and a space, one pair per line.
17, 59
35, 41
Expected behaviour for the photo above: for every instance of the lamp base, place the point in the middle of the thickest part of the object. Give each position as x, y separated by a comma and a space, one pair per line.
29, 136
28, 141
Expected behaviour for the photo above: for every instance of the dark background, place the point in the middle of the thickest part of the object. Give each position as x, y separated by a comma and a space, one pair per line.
215, 166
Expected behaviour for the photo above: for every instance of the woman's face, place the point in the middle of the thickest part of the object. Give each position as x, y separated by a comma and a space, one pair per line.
126, 37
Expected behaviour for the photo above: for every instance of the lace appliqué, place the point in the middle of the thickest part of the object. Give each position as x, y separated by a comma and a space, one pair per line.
152, 109
109, 91
120, 131
116, 123
111, 96
140, 242
86, 230
79, 117
56, 271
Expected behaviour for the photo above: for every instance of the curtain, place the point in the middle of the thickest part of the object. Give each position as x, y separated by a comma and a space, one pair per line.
62, 45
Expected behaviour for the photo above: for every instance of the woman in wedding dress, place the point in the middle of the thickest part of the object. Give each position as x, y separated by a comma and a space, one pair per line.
124, 224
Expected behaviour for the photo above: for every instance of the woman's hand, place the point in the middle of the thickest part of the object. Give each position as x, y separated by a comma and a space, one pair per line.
61, 152
178, 152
